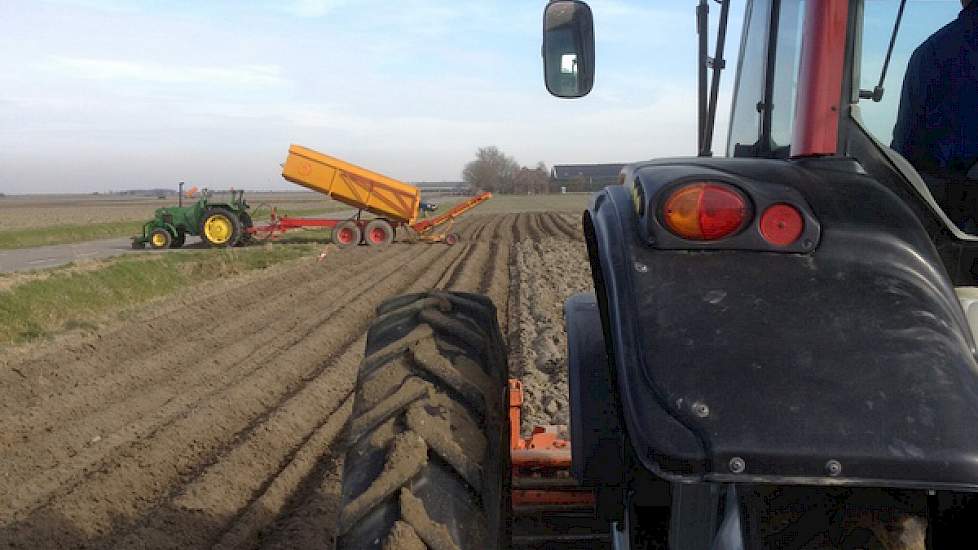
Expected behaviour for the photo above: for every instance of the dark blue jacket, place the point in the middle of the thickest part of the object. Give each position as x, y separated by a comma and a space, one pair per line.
937, 125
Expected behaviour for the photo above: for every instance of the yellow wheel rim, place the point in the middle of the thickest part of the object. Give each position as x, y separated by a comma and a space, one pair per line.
218, 229
158, 239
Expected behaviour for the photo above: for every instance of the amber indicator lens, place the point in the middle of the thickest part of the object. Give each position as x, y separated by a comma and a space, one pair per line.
705, 211
781, 224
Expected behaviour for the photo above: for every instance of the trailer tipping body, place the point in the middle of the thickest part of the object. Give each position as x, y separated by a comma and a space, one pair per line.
350, 184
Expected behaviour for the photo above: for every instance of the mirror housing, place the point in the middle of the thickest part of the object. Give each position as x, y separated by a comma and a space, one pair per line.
568, 48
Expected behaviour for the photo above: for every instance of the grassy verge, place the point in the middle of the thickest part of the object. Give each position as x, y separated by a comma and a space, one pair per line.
69, 298
64, 234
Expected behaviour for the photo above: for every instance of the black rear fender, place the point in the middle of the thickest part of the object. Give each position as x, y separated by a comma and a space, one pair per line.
846, 362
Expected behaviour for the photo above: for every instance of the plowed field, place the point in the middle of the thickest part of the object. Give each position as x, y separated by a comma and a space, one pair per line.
215, 419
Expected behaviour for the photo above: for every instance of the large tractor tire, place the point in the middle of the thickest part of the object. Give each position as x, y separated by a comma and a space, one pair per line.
428, 453
220, 228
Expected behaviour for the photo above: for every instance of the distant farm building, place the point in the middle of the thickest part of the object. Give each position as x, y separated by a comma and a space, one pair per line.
452, 187
584, 177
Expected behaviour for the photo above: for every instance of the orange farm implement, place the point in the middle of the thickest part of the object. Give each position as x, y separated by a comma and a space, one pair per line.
396, 205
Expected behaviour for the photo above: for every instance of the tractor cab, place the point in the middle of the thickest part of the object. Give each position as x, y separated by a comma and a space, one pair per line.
783, 329
815, 80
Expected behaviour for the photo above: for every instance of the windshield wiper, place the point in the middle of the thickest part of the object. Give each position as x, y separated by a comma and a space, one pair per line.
708, 103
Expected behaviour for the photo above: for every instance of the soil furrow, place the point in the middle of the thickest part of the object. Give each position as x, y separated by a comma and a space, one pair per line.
235, 406
156, 409
214, 419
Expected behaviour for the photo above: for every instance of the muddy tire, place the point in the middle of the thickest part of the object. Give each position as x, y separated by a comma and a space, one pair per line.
428, 436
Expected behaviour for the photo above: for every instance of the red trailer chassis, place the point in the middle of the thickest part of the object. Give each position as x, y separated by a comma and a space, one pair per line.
436, 229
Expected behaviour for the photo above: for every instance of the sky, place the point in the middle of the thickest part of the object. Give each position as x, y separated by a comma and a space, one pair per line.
100, 95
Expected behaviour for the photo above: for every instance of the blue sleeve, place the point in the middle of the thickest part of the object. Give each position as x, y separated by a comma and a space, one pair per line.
911, 112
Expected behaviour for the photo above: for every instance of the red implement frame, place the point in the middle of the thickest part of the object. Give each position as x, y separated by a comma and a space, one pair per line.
424, 228
541, 464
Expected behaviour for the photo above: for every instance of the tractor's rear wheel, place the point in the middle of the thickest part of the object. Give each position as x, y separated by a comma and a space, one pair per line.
346, 234
220, 227
159, 239
428, 453
379, 233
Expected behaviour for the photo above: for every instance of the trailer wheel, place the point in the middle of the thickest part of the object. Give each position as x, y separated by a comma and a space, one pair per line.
428, 439
379, 233
220, 227
451, 238
346, 234
159, 239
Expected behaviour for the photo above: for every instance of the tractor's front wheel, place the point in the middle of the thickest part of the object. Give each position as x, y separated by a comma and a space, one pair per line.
220, 227
160, 239
428, 453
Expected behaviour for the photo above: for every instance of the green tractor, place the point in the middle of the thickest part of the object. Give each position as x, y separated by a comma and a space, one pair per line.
218, 224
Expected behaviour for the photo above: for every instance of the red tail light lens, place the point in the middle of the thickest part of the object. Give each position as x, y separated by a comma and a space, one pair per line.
781, 224
705, 211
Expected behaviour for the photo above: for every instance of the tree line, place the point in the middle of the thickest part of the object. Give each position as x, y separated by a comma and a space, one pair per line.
495, 171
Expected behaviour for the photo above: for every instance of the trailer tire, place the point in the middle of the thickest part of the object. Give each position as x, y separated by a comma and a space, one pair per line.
160, 238
379, 233
220, 228
428, 452
346, 234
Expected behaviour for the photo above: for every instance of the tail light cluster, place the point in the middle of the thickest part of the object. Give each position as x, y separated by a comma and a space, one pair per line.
708, 212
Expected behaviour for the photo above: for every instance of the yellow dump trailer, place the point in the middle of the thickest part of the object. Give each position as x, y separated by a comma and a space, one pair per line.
353, 185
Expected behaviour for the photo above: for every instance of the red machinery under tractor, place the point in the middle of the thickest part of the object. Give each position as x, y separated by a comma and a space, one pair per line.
776, 354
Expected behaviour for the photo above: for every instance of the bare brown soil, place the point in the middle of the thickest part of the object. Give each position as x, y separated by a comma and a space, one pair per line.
216, 419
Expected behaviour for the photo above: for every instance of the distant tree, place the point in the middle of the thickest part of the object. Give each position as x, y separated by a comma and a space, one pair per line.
532, 181
492, 170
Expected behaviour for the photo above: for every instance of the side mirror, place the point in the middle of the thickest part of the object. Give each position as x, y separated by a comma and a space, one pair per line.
568, 48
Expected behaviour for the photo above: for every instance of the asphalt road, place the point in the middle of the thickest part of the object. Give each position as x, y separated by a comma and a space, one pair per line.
26, 259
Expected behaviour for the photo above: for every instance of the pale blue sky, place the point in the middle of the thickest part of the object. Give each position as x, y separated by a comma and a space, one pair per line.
98, 95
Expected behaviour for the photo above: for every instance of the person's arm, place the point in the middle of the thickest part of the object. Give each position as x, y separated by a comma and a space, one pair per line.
910, 123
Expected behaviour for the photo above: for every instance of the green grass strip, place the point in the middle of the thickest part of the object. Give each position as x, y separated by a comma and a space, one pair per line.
64, 234
72, 298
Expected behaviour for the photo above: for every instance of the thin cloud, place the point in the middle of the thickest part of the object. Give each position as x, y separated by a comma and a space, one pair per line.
312, 8
253, 76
